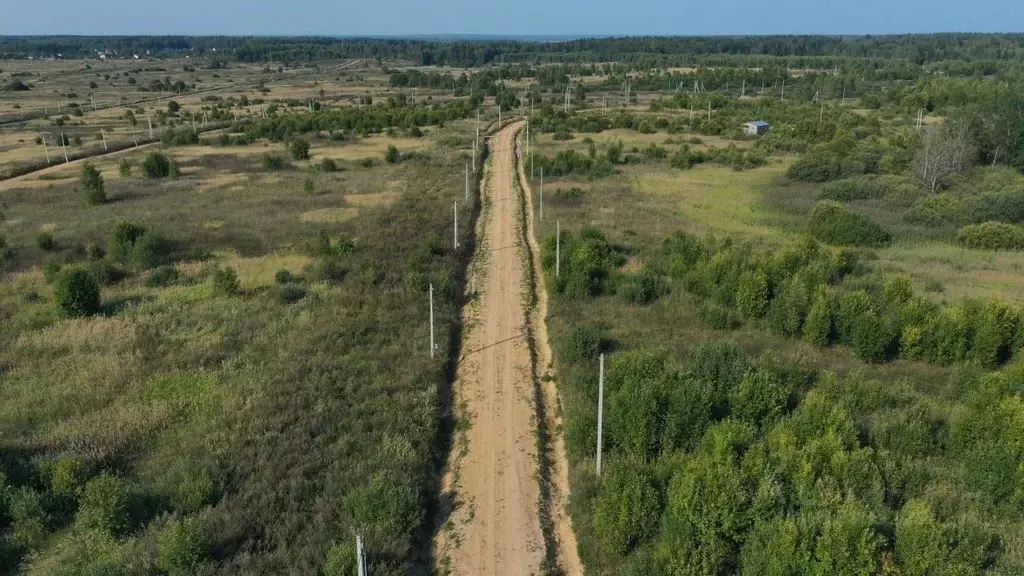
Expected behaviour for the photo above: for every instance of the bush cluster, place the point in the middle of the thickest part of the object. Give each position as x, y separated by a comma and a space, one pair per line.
992, 236
799, 292
831, 222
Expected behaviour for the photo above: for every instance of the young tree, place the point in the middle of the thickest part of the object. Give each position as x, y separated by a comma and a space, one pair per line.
92, 185
76, 293
299, 149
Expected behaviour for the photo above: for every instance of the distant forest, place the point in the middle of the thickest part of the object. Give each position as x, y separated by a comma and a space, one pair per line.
916, 49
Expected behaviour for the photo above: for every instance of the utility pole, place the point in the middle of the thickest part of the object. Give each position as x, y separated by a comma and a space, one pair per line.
542, 194
600, 410
104, 137
558, 247
709, 109
821, 116
431, 320
467, 182
45, 150
743, 91
63, 143
455, 240
474, 156
360, 556
150, 126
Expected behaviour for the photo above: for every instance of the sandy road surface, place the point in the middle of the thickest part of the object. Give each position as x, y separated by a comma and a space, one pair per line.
495, 527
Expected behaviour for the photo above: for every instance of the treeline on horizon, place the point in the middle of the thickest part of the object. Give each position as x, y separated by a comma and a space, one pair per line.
917, 49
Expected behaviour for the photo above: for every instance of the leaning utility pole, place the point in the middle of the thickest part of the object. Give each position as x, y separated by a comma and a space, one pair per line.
64, 144
45, 150
104, 137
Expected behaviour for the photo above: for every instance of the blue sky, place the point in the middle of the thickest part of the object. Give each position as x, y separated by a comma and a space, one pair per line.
582, 17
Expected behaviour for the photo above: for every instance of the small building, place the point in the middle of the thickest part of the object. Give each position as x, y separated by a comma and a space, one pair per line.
756, 128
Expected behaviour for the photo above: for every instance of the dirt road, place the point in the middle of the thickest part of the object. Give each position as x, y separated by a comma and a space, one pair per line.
493, 470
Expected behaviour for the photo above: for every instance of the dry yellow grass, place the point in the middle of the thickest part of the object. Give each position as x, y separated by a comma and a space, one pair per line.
325, 215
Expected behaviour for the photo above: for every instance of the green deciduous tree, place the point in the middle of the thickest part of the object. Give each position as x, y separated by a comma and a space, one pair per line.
76, 293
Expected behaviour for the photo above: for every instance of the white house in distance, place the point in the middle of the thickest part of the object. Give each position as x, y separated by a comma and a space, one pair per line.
756, 128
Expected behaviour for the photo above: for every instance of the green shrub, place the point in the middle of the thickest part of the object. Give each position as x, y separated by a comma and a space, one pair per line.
642, 288
831, 222
341, 560
299, 149
124, 168
815, 166
131, 243
274, 162
284, 276
788, 309
225, 281
947, 336
391, 156
92, 185
752, 294
46, 241
326, 165
718, 317
762, 395
76, 293
991, 236
156, 165
818, 326
6, 251
289, 293
627, 509
851, 306
162, 276
636, 386
996, 334
28, 517
871, 338
103, 505
181, 547
582, 344
105, 273
150, 250
863, 188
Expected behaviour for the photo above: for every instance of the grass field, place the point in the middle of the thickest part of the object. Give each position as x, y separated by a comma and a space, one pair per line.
269, 418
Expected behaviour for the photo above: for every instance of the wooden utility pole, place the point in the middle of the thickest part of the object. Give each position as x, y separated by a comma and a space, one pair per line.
600, 410
474, 156
104, 137
148, 118
64, 145
45, 150
431, 320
